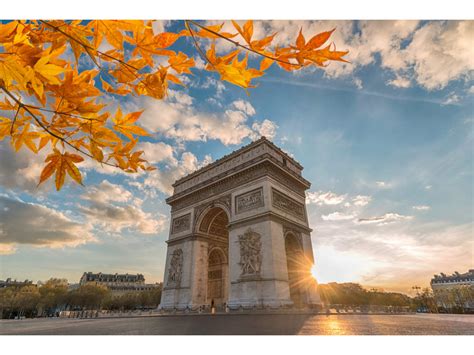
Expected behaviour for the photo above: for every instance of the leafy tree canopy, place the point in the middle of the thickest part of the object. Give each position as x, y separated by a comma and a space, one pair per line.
54, 105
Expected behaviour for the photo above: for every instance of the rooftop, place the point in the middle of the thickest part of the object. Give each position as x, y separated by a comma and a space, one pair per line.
455, 277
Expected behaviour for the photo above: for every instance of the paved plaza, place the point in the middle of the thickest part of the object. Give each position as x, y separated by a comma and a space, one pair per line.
244, 324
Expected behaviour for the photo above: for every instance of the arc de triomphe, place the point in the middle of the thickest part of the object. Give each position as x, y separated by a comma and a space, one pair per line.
239, 234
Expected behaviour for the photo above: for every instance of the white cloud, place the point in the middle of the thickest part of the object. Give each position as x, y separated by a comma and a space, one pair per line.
112, 208
157, 152
267, 128
358, 83
387, 218
107, 192
162, 179
212, 83
383, 184
199, 62
451, 99
23, 223
244, 106
440, 51
400, 81
337, 216
324, 198
176, 118
361, 200
421, 208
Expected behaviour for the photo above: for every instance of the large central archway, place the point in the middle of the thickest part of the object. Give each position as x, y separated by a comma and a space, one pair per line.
214, 226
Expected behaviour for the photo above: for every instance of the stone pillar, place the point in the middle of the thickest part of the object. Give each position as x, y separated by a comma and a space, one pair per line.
256, 274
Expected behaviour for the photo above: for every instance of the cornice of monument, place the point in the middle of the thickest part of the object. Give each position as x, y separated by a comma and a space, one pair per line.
225, 180
227, 175
235, 153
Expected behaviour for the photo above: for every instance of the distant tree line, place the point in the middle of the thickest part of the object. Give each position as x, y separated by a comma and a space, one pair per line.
53, 296
353, 294
453, 300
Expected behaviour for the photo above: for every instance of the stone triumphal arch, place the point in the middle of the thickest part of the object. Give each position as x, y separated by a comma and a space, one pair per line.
239, 234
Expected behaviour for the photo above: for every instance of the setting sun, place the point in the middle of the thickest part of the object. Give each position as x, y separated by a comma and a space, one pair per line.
314, 272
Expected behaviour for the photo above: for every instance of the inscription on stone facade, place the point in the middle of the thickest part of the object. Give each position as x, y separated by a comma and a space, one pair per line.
288, 205
176, 268
249, 201
250, 253
181, 224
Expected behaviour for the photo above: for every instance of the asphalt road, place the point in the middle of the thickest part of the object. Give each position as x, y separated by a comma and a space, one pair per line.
240, 324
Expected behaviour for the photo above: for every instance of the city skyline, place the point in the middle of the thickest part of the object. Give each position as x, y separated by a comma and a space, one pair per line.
386, 142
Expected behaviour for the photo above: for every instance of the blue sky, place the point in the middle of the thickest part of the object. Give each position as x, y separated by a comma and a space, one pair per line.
386, 142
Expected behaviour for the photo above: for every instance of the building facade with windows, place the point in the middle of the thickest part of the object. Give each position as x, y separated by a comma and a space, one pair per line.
118, 284
454, 291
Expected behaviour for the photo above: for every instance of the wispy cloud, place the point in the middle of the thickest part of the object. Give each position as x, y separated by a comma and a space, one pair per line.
332, 87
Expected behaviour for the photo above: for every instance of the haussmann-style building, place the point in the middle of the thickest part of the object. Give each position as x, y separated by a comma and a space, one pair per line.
118, 284
454, 291
239, 234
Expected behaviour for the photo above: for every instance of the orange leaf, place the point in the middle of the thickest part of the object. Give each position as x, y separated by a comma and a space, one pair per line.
248, 31
300, 41
48, 171
318, 40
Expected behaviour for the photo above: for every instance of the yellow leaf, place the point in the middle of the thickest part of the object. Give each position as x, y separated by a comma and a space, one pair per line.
71, 168
48, 71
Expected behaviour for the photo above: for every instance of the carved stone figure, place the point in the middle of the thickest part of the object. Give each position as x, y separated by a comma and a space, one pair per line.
176, 268
250, 253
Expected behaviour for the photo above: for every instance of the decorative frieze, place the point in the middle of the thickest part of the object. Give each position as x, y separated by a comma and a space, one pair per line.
249, 201
288, 205
181, 224
176, 268
250, 253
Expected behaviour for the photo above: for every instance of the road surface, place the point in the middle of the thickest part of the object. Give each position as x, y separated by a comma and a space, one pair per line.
255, 324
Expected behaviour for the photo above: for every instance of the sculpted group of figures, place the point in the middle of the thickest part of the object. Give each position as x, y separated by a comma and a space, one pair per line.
250, 253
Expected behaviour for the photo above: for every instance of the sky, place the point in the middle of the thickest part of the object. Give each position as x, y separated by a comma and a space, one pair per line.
385, 140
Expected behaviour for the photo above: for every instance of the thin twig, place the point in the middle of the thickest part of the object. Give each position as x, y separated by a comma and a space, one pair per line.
241, 45
203, 55
62, 113
14, 119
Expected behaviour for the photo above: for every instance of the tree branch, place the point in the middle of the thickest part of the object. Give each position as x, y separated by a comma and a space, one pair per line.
47, 130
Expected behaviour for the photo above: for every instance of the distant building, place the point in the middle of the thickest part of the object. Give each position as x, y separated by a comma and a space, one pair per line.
118, 284
72, 287
14, 283
455, 291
